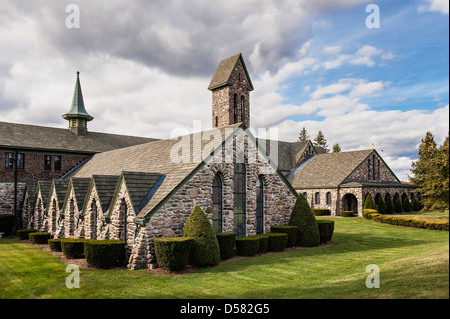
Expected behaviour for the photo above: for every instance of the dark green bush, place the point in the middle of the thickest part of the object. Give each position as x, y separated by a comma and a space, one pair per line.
277, 241
367, 212
6, 223
73, 248
381, 206
291, 231
326, 229
55, 244
389, 205
247, 246
415, 205
23, 233
303, 217
172, 253
39, 238
104, 254
226, 244
205, 248
407, 206
368, 203
321, 211
398, 206
263, 243
347, 213
437, 225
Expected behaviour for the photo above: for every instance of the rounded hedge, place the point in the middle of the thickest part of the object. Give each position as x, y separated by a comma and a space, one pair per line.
367, 212
55, 244
73, 248
326, 229
347, 213
303, 217
277, 241
247, 246
172, 253
39, 238
104, 254
263, 243
226, 244
6, 223
291, 231
321, 211
205, 248
23, 233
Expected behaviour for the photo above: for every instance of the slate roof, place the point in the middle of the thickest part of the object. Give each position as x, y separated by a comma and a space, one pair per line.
60, 187
224, 70
35, 137
80, 187
44, 187
139, 185
105, 186
328, 170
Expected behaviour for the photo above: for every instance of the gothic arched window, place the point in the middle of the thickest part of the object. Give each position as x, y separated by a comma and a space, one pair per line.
239, 199
217, 208
259, 206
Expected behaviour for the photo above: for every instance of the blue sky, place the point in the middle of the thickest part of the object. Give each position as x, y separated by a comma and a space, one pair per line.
145, 67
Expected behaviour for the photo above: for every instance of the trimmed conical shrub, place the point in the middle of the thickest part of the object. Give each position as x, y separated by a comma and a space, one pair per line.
303, 217
205, 247
368, 204
398, 206
407, 206
389, 205
415, 205
381, 206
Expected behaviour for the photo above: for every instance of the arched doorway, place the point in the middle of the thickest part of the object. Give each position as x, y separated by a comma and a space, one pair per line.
350, 203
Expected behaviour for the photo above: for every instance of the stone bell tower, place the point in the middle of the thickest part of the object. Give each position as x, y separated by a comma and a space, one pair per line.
231, 86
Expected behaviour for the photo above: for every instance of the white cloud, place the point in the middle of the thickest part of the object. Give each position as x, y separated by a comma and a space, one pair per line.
366, 55
398, 99
441, 6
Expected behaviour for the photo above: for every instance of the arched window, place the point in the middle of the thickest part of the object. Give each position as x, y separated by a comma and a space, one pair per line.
93, 221
242, 108
369, 169
373, 167
239, 200
235, 107
305, 194
317, 198
259, 206
123, 217
328, 198
217, 203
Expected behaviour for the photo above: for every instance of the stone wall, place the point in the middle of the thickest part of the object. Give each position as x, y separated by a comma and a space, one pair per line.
372, 169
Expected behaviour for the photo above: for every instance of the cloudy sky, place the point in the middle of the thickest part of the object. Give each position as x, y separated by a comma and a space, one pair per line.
146, 65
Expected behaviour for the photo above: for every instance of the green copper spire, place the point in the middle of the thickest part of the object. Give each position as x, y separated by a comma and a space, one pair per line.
77, 116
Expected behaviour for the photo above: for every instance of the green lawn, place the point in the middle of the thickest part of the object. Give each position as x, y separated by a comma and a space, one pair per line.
413, 263
427, 215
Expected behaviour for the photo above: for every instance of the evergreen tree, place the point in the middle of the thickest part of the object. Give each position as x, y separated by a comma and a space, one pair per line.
336, 148
398, 206
303, 217
368, 203
303, 136
415, 205
431, 172
389, 205
407, 205
425, 155
321, 141
381, 206
205, 248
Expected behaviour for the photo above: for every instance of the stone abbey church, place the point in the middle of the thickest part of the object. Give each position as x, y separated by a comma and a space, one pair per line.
76, 183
